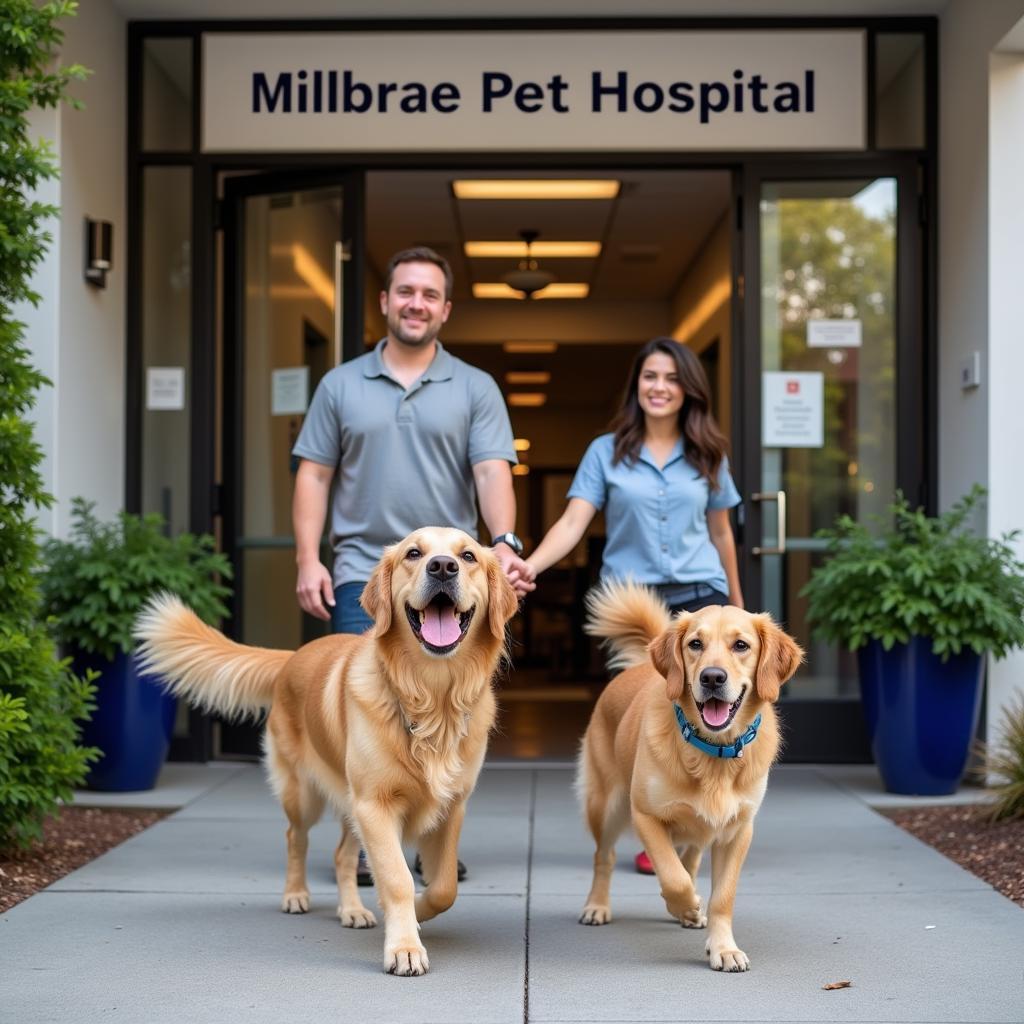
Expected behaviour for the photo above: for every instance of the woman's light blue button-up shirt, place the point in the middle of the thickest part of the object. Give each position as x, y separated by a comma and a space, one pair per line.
656, 519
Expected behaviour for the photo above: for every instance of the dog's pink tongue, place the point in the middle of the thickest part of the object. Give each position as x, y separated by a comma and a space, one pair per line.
440, 625
716, 712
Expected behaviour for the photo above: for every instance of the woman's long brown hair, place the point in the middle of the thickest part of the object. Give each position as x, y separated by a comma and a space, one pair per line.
704, 444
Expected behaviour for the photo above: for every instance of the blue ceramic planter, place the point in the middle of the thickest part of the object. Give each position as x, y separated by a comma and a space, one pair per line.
921, 714
132, 724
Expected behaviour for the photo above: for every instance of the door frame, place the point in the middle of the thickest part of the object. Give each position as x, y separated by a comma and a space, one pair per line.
832, 730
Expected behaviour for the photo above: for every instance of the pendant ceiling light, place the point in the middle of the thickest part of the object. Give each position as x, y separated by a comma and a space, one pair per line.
528, 278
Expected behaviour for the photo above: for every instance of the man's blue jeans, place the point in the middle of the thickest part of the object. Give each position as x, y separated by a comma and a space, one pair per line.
347, 615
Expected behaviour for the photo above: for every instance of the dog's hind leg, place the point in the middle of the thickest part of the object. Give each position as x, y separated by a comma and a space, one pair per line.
607, 815
303, 804
351, 911
691, 856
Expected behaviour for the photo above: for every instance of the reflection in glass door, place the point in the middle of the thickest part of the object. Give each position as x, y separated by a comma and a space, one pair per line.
828, 440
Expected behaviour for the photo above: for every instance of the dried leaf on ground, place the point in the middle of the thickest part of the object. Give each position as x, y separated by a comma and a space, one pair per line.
836, 984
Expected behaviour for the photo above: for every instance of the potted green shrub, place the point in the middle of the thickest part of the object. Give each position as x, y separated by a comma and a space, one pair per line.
94, 585
921, 599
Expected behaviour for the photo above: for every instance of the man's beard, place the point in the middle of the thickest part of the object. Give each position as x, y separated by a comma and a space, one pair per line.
398, 331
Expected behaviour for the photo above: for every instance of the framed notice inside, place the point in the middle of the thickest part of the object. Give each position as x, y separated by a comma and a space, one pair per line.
792, 410
165, 387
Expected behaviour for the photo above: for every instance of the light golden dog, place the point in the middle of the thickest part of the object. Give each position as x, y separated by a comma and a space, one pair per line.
390, 727
710, 676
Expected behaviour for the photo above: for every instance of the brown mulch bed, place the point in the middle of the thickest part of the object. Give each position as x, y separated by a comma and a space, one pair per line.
992, 851
71, 838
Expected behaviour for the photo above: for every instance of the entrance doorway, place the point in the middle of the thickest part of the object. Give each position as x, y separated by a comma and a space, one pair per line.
749, 267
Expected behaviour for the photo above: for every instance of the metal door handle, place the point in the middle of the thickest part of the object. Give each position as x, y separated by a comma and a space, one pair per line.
779, 497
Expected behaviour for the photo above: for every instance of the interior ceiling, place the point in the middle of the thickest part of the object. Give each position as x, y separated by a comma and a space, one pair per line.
650, 234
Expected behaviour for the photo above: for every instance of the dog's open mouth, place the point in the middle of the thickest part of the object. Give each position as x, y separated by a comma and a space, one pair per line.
440, 627
717, 714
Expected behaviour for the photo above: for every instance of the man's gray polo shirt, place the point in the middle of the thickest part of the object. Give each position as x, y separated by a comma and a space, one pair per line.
405, 458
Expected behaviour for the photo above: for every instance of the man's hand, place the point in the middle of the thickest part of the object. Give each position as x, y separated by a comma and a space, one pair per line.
315, 590
518, 573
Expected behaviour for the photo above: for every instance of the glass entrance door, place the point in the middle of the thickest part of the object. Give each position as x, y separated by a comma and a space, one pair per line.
290, 316
831, 306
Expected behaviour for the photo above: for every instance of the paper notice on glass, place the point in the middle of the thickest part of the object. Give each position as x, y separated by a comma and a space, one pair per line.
289, 391
792, 410
165, 387
833, 333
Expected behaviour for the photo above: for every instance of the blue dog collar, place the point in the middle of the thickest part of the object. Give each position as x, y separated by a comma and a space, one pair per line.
733, 750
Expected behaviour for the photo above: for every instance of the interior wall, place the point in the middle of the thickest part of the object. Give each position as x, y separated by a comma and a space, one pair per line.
701, 310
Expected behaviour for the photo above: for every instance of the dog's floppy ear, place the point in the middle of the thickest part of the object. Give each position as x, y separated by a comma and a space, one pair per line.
502, 602
662, 650
780, 657
376, 595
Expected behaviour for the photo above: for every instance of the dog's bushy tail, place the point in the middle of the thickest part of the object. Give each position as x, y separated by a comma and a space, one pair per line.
199, 663
627, 616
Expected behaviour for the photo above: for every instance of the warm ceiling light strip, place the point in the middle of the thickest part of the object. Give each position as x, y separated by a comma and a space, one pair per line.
530, 348
539, 250
708, 305
558, 290
527, 399
519, 377
311, 272
526, 188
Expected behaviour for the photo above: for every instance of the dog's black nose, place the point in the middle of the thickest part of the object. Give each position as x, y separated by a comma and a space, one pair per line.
713, 678
443, 567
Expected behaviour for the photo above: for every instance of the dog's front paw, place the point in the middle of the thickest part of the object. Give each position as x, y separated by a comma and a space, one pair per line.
356, 917
687, 909
407, 961
594, 913
733, 961
295, 902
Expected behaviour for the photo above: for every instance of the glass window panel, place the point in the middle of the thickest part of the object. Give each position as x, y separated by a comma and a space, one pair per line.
828, 253
167, 340
899, 91
166, 95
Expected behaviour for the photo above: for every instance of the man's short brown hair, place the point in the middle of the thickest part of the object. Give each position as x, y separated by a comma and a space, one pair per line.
420, 254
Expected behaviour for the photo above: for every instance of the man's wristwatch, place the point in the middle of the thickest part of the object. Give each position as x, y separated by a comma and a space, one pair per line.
511, 540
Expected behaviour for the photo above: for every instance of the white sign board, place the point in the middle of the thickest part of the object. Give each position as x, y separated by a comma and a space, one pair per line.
165, 387
833, 333
793, 410
289, 392
561, 90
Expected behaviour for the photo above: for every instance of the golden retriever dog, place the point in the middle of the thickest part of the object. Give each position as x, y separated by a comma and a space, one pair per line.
390, 727
681, 742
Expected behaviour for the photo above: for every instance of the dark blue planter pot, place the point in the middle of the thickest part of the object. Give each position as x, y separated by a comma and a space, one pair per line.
921, 714
132, 724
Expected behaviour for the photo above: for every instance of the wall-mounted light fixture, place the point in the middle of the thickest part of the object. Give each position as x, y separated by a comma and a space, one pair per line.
99, 248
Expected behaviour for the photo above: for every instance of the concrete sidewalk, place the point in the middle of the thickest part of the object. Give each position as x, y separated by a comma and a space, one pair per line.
181, 923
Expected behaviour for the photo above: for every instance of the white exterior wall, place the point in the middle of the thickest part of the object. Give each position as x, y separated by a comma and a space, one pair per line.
1005, 339
978, 218
77, 334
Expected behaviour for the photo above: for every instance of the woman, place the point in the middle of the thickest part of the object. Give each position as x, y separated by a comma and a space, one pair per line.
662, 477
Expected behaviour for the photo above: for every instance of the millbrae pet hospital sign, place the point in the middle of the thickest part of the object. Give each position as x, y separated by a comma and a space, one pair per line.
544, 90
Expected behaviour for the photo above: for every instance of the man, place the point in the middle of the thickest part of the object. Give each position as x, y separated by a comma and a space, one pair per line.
416, 437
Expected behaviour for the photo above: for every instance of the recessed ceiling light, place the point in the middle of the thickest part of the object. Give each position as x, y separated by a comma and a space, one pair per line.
520, 469
527, 399
558, 290
526, 188
530, 347
528, 377
541, 250
521, 444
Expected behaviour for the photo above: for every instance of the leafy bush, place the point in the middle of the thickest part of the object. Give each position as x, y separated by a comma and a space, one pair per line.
1006, 761
919, 575
40, 700
98, 579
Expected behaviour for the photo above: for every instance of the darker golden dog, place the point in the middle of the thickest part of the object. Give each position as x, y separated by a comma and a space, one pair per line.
390, 727
681, 742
